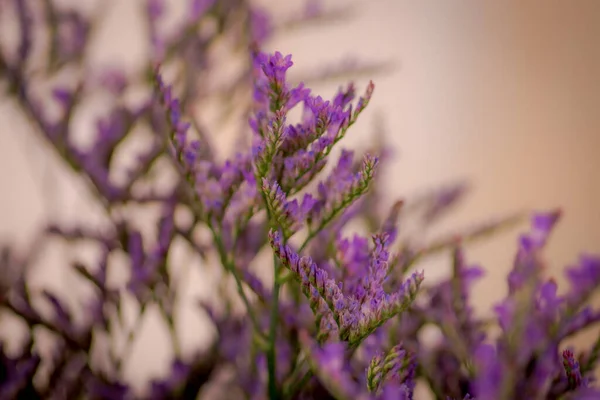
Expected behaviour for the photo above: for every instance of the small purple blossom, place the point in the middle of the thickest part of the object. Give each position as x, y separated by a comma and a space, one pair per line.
572, 370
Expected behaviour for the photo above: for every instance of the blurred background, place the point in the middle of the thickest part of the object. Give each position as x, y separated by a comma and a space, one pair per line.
502, 95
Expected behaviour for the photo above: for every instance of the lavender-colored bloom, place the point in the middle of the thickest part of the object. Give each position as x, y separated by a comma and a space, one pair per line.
348, 187
329, 362
357, 316
586, 394
443, 201
572, 371
584, 279
271, 89
528, 265
490, 373
198, 8
393, 366
184, 150
261, 25
396, 392
314, 281
63, 96
378, 267
275, 68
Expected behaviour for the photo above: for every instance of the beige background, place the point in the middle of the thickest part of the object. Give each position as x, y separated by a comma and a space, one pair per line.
503, 94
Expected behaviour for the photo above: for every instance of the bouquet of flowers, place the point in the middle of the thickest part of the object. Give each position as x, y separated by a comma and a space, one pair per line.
304, 308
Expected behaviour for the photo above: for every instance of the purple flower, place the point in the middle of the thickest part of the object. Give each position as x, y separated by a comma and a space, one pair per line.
584, 278
198, 8
490, 373
275, 68
396, 367
571, 367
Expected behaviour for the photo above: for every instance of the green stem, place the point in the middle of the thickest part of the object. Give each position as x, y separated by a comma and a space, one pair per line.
230, 267
592, 358
271, 357
173, 332
298, 380
131, 334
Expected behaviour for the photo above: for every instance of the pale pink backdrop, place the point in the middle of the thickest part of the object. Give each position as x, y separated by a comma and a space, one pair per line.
503, 94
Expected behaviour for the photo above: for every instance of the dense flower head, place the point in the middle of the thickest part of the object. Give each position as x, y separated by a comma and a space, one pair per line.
526, 356
359, 313
572, 370
275, 68
340, 307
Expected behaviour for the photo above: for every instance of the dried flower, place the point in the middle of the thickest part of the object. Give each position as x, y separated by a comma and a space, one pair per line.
342, 316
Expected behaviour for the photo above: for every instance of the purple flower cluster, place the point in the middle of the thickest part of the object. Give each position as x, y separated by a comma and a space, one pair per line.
334, 314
